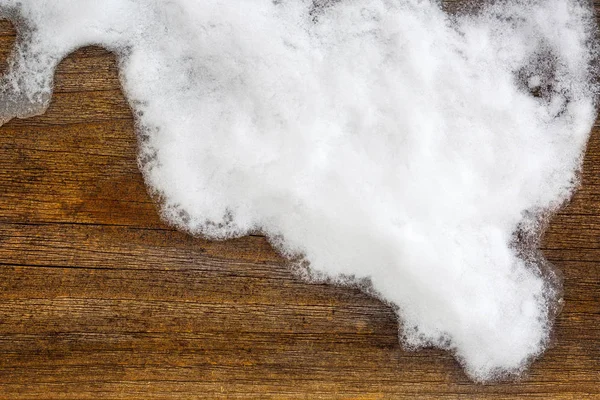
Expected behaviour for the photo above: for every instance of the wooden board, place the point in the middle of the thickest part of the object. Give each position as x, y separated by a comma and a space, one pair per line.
101, 300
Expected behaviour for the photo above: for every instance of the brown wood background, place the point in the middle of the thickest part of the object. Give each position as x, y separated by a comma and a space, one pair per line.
100, 300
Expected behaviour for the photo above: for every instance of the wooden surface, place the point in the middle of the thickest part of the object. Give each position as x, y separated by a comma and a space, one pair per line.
99, 299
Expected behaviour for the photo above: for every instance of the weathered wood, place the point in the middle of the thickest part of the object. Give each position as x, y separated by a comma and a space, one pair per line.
101, 300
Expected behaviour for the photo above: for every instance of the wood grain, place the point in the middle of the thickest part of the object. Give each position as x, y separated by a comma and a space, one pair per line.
101, 300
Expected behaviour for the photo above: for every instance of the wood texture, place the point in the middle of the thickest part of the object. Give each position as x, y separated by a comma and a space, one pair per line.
100, 300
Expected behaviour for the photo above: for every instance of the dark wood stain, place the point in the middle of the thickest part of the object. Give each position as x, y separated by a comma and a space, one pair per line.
99, 299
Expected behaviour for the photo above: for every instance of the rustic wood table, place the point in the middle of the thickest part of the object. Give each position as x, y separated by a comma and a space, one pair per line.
100, 300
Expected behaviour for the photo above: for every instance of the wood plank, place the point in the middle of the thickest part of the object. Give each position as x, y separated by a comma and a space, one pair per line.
99, 299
